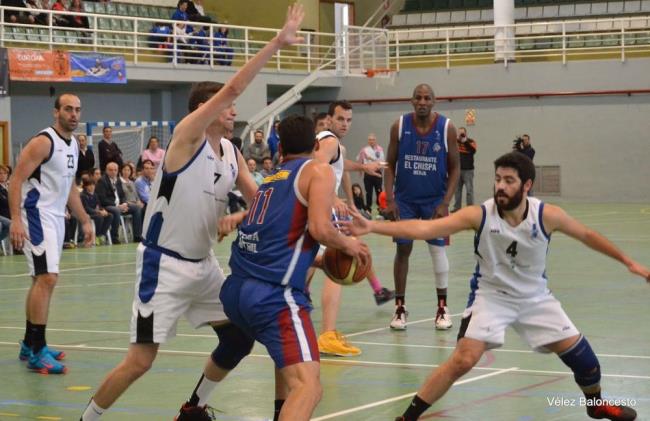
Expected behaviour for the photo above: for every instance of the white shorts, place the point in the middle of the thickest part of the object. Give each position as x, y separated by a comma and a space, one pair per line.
168, 288
43, 249
539, 321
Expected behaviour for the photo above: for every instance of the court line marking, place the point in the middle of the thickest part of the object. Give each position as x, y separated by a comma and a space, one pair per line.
83, 347
522, 351
20, 275
407, 395
379, 329
74, 286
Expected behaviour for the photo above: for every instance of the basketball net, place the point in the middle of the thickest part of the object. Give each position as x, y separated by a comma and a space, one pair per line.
384, 78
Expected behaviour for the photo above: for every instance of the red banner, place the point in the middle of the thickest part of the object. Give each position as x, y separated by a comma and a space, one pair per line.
39, 65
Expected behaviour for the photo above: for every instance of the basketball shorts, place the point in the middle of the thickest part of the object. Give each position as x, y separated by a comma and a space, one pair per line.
409, 210
539, 320
167, 288
275, 315
46, 233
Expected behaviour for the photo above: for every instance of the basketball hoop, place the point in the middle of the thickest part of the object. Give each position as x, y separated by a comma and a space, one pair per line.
383, 77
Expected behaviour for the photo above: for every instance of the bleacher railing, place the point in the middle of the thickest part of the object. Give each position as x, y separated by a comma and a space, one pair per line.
561, 40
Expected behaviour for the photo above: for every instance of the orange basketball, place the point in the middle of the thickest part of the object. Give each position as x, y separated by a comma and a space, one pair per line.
370, 73
343, 268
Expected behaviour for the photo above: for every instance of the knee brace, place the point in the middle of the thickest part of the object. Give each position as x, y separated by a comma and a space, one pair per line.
580, 358
234, 345
440, 265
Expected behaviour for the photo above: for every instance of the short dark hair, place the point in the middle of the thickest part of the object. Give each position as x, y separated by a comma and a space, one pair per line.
148, 161
341, 103
57, 100
266, 158
423, 85
320, 116
518, 161
259, 131
85, 182
106, 128
296, 135
201, 92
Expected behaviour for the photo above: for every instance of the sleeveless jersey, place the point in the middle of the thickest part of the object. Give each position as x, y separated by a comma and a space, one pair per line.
421, 170
273, 244
185, 205
337, 163
511, 260
48, 187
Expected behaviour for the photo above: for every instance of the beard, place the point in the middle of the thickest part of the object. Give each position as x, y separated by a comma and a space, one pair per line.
511, 201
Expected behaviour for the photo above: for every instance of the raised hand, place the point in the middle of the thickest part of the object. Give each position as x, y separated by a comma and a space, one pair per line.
287, 35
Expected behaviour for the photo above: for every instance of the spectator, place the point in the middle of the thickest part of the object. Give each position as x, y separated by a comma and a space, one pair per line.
143, 183
182, 42
357, 195
196, 12
111, 197
160, 36
5, 219
96, 175
252, 167
181, 11
466, 151
372, 152
60, 20
267, 167
258, 150
274, 140
223, 53
108, 150
69, 242
78, 21
153, 152
14, 16
37, 18
100, 216
128, 186
86, 162
523, 145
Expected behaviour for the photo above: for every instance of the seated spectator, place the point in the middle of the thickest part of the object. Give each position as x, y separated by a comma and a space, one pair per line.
182, 42
5, 218
60, 20
86, 161
359, 203
181, 11
160, 36
78, 21
128, 186
143, 183
267, 167
153, 152
99, 215
35, 17
15, 16
223, 53
111, 197
257, 176
201, 44
70, 229
96, 175
195, 11
258, 150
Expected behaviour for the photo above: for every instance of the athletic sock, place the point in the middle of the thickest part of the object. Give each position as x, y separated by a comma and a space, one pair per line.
202, 391
278, 407
38, 337
415, 409
27, 340
375, 284
442, 300
92, 412
400, 299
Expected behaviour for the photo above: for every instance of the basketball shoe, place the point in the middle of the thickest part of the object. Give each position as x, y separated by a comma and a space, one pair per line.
399, 318
26, 352
195, 413
443, 321
611, 412
43, 362
333, 342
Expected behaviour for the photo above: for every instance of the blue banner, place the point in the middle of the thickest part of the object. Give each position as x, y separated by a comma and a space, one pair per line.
97, 68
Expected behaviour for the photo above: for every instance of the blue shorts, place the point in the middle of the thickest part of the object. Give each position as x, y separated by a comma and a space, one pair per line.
409, 210
276, 316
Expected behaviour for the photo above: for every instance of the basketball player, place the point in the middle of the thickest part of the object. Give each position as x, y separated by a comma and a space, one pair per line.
330, 151
509, 286
177, 273
42, 184
420, 181
277, 242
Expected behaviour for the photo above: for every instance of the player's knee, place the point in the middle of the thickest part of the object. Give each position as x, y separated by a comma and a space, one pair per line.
138, 365
463, 362
404, 250
233, 346
48, 280
582, 360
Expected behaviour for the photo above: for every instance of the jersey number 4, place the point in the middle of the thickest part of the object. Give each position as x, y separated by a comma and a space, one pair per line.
261, 212
512, 249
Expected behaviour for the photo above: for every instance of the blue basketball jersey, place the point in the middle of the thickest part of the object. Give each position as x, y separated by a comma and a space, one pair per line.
421, 170
273, 244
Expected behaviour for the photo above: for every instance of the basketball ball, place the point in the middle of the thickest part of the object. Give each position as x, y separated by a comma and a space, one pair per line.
343, 268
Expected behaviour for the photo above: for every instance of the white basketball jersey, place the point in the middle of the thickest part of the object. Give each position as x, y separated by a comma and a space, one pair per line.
337, 163
48, 187
511, 260
185, 205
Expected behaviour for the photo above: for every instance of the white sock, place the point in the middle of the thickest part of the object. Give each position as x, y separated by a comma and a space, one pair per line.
92, 412
204, 390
